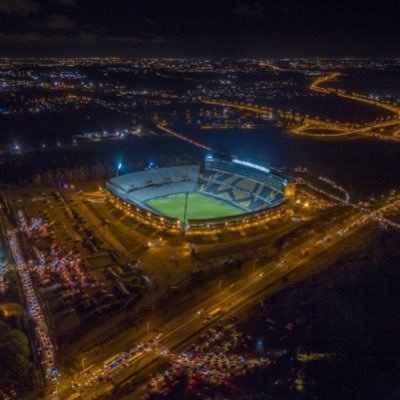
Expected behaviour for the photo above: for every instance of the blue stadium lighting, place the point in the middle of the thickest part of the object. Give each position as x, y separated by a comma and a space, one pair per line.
151, 165
119, 168
251, 165
209, 157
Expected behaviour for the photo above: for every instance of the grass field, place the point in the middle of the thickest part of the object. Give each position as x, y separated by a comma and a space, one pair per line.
200, 206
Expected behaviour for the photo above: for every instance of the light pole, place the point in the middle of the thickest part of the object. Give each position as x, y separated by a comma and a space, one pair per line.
148, 327
255, 261
185, 223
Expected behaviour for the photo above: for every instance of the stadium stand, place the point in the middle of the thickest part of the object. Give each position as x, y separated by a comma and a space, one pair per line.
244, 186
255, 189
137, 187
271, 179
167, 189
139, 180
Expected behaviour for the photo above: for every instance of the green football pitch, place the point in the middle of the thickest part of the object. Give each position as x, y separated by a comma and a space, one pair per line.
200, 206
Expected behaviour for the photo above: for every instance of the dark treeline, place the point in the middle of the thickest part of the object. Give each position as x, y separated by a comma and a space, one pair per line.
89, 162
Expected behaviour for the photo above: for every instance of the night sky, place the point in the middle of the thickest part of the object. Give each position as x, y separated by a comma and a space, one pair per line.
209, 28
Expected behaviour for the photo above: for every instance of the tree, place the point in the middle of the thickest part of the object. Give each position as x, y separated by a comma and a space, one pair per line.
15, 365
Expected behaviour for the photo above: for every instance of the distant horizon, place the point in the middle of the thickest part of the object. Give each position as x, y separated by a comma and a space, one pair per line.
203, 57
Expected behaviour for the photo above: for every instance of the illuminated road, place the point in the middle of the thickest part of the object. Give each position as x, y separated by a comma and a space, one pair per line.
184, 327
314, 127
304, 125
274, 67
175, 329
34, 308
268, 112
367, 130
315, 86
184, 138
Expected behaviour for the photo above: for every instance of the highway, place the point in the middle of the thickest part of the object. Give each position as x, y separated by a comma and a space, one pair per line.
368, 128
184, 327
242, 106
184, 138
181, 326
179, 331
33, 307
314, 127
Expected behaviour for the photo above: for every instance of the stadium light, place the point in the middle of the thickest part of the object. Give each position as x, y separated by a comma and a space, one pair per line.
119, 168
249, 164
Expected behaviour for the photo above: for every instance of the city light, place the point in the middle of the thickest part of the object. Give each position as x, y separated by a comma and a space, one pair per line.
141, 218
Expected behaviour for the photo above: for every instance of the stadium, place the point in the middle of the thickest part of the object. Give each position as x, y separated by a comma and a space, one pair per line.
223, 193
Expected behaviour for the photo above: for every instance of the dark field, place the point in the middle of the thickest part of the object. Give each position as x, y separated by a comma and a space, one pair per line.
348, 314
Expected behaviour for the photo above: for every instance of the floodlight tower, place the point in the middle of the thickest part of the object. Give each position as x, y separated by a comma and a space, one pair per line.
119, 168
185, 222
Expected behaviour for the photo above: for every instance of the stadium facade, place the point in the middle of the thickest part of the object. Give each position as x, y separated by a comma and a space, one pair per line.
259, 192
